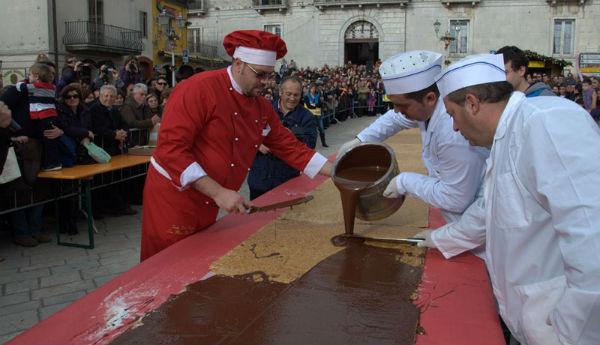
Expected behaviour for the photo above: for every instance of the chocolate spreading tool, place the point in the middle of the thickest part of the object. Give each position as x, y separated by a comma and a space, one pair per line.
342, 240
283, 204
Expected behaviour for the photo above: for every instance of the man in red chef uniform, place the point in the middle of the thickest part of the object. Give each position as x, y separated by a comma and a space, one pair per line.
212, 127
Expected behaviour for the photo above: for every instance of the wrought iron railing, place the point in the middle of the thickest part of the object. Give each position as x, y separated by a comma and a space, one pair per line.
88, 35
204, 50
325, 3
261, 5
197, 6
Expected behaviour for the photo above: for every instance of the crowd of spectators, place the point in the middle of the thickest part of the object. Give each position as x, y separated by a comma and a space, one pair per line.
107, 109
62, 117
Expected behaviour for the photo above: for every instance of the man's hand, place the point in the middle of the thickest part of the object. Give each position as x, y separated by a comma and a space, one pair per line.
5, 115
22, 139
231, 201
393, 190
227, 199
120, 135
155, 119
348, 146
263, 149
53, 133
426, 234
91, 135
326, 169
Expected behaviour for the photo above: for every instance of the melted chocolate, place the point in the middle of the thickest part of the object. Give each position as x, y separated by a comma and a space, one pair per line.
351, 181
361, 295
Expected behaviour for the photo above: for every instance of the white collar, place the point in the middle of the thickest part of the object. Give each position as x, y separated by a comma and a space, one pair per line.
511, 106
234, 84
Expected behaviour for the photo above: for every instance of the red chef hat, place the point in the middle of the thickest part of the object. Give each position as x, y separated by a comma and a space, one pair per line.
255, 47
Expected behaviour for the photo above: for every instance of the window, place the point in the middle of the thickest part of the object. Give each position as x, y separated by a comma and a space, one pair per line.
96, 11
144, 24
194, 37
273, 28
564, 32
459, 29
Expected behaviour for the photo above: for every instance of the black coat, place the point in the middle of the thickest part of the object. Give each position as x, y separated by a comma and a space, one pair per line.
75, 125
18, 103
268, 171
104, 123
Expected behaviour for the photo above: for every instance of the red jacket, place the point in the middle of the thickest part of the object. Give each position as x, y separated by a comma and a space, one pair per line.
206, 121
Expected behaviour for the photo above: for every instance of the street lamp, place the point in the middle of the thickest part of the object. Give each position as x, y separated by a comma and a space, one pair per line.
436, 27
164, 20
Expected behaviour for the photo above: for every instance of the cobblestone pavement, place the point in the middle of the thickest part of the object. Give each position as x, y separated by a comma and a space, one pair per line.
37, 282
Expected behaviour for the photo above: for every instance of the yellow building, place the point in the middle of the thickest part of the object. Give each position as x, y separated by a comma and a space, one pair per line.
169, 30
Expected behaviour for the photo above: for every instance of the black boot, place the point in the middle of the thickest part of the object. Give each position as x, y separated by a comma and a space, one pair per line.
323, 143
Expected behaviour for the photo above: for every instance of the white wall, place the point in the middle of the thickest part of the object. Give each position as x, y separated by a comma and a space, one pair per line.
315, 37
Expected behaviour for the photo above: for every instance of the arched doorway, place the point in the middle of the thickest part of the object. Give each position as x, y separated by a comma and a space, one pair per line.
361, 43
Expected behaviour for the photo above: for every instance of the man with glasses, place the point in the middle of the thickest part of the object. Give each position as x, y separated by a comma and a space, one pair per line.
212, 128
161, 85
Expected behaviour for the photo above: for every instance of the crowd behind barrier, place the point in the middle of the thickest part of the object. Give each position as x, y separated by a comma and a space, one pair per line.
118, 109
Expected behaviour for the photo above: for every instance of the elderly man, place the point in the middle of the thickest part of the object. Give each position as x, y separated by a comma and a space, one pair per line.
135, 111
106, 121
539, 215
455, 169
268, 171
213, 126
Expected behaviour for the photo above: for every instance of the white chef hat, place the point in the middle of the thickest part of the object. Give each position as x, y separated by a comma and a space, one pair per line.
472, 70
410, 71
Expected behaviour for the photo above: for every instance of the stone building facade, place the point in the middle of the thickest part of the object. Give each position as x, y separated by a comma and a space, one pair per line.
332, 32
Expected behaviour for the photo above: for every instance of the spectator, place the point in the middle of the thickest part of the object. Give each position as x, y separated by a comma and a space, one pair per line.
42, 112
108, 125
184, 72
589, 95
120, 99
106, 122
153, 105
130, 73
312, 101
135, 112
161, 85
70, 72
515, 64
268, 171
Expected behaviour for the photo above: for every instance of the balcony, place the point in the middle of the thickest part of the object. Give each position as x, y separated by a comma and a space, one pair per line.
448, 3
86, 36
565, 2
269, 5
197, 7
321, 4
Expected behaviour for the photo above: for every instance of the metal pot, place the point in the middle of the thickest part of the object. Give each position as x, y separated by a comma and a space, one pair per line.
372, 205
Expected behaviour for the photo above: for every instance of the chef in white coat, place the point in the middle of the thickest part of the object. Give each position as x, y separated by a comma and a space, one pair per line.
455, 169
539, 215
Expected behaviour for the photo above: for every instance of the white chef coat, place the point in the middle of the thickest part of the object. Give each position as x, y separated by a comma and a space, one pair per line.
455, 168
540, 220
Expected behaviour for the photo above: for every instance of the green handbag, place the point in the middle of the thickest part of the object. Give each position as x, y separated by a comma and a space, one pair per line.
97, 153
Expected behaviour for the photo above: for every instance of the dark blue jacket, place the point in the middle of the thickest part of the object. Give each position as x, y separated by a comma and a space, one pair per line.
268, 171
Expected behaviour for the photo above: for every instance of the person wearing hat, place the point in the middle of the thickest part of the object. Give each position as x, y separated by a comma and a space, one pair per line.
455, 169
539, 213
212, 128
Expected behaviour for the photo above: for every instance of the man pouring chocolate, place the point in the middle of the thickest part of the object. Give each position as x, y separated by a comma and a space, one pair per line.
212, 128
455, 169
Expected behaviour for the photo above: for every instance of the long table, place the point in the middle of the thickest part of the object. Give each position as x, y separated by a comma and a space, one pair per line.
85, 174
455, 297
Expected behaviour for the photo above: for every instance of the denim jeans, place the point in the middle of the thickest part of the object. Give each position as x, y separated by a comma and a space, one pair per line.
27, 222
